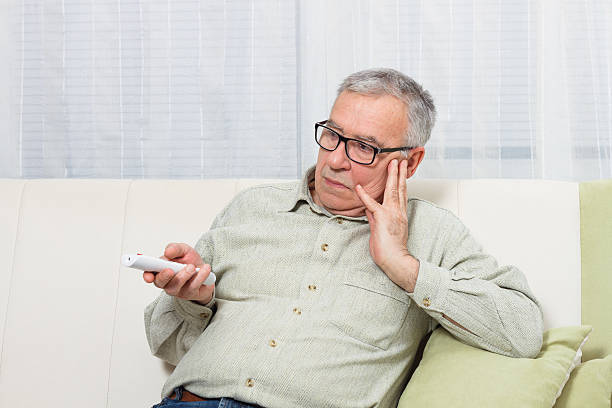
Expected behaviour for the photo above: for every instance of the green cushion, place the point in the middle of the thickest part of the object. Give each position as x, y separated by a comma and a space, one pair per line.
596, 257
590, 385
453, 374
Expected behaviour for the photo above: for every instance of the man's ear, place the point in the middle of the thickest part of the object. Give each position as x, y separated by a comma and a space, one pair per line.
415, 157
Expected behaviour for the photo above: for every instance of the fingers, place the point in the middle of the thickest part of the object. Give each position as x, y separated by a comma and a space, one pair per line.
365, 198
186, 284
148, 277
175, 285
391, 194
395, 189
163, 278
401, 186
195, 284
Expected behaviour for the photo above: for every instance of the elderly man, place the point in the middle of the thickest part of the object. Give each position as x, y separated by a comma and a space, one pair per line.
326, 286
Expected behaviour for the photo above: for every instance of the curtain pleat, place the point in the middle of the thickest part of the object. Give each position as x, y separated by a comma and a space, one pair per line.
193, 89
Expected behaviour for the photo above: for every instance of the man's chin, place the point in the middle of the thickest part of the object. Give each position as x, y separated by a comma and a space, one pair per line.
342, 207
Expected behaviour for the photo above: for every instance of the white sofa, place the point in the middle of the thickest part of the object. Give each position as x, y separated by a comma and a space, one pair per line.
71, 317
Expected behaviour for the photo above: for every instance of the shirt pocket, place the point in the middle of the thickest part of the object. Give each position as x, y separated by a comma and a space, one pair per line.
370, 308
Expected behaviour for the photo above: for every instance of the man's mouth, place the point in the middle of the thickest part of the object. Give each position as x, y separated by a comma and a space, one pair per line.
334, 183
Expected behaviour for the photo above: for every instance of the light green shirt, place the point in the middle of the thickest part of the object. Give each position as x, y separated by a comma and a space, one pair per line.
305, 318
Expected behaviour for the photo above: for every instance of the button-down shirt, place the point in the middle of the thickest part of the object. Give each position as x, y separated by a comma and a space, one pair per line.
305, 318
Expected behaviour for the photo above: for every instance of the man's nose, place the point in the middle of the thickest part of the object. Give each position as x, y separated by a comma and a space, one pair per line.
338, 159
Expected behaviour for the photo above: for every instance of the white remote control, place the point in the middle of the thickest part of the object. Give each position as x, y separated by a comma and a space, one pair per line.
152, 264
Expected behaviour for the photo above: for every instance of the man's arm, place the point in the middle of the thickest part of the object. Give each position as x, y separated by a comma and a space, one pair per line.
172, 326
478, 302
182, 311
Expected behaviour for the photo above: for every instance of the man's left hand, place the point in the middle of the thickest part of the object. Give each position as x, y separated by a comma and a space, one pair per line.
389, 228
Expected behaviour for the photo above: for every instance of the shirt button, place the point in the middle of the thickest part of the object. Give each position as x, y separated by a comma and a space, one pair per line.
250, 382
312, 287
426, 302
297, 310
340, 221
324, 247
272, 343
204, 315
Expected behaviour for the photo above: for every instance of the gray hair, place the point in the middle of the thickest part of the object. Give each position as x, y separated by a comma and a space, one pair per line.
418, 101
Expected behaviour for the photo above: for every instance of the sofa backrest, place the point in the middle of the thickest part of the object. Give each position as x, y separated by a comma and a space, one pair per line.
71, 317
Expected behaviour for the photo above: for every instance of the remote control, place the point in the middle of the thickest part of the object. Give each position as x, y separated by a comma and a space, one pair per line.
151, 264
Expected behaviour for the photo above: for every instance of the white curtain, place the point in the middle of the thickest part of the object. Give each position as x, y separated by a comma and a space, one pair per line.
194, 89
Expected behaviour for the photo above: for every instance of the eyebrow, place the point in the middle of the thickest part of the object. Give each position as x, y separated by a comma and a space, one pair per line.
365, 138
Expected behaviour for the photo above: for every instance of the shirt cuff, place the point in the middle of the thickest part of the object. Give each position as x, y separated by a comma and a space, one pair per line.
194, 312
431, 287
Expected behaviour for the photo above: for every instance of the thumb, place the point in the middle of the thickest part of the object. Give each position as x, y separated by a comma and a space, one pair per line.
370, 216
172, 251
176, 250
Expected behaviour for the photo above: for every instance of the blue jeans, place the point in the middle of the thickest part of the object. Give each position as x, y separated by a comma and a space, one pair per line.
211, 403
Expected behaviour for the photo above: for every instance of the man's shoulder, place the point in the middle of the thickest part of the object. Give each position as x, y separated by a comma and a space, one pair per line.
430, 222
268, 192
428, 211
268, 196
419, 204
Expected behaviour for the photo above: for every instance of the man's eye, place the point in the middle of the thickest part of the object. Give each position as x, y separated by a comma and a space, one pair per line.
364, 147
328, 134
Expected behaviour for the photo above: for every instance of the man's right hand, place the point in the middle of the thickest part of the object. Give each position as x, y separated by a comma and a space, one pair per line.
187, 283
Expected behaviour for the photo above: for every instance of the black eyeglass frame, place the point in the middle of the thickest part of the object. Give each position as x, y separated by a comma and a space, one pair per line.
377, 150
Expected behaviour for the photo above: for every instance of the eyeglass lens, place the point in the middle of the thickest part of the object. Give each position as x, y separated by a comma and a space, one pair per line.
356, 150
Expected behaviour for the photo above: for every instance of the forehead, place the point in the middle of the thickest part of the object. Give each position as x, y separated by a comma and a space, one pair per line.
376, 118
367, 138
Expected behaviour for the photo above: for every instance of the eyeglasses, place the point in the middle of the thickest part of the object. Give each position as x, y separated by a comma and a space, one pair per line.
356, 150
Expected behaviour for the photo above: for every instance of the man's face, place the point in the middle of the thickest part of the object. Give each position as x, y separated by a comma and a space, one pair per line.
378, 120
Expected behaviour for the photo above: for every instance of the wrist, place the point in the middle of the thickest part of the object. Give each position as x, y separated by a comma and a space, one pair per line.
203, 302
406, 268
210, 299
